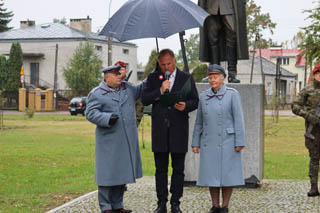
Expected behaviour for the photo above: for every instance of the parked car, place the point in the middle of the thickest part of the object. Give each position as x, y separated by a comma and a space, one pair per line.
77, 105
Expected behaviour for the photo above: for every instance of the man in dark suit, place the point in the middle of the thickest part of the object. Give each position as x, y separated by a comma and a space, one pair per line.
170, 127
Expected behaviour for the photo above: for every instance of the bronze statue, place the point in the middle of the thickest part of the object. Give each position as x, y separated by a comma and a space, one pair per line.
224, 34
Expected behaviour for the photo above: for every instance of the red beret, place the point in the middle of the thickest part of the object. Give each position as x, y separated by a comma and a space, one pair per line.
120, 63
316, 69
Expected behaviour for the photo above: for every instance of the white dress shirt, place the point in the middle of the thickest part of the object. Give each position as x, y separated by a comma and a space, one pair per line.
172, 78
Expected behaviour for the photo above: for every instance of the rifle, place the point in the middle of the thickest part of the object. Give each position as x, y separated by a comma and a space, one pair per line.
129, 75
310, 127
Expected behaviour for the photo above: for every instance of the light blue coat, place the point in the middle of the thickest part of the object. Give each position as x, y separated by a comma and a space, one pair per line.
219, 128
118, 158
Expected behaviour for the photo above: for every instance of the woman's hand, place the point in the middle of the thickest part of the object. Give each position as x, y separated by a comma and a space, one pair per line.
239, 148
196, 150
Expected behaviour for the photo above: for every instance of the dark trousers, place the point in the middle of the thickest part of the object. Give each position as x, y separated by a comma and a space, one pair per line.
110, 197
176, 189
214, 25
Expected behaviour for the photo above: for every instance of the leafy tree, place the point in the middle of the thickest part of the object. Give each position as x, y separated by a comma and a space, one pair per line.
192, 46
5, 18
61, 21
311, 42
256, 23
3, 72
200, 72
83, 71
14, 67
151, 65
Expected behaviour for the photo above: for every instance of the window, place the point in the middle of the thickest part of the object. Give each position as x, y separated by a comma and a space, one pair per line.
300, 85
140, 76
98, 48
285, 61
125, 51
269, 88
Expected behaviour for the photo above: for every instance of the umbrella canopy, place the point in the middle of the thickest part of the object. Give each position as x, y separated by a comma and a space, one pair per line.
153, 19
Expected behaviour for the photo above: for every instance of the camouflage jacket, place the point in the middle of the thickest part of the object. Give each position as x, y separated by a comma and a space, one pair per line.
307, 100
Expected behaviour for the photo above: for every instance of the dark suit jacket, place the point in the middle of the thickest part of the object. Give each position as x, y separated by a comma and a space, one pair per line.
175, 137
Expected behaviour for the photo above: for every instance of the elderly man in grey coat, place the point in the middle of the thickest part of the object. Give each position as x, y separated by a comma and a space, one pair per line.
111, 106
219, 137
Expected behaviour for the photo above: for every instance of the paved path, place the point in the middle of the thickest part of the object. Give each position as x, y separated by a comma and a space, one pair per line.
273, 196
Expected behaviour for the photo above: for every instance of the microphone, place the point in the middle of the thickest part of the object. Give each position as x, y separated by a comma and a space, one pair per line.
167, 76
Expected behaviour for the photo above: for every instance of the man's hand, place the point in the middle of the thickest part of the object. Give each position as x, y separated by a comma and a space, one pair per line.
196, 150
312, 118
180, 106
165, 86
239, 148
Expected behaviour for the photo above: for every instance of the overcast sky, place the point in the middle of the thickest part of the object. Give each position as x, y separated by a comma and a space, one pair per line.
286, 13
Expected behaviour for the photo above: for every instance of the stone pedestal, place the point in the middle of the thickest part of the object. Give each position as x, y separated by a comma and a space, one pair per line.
253, 153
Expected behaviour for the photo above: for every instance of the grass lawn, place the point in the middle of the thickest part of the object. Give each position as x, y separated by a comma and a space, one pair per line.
49, 159
285, 154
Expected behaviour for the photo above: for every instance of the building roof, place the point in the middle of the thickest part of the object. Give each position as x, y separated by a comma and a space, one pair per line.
270, 53
269, 68
52, 31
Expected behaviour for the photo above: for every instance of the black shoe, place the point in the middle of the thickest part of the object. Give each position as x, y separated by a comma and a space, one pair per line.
162, 208
224, 210
214, 210
175, 208
313, 193
232, 79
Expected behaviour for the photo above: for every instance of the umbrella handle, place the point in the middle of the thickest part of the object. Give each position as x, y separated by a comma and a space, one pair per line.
157, 45
183, 51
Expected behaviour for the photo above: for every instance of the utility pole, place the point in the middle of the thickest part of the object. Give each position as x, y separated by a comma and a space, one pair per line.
253, 56
305, 72
109, 42
55, 79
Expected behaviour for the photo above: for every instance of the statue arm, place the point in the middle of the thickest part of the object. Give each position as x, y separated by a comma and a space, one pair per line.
202, 4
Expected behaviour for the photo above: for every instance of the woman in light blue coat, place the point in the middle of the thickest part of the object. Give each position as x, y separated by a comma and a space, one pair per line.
219, 137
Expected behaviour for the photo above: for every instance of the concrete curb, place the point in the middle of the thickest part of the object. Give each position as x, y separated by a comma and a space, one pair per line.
72, 202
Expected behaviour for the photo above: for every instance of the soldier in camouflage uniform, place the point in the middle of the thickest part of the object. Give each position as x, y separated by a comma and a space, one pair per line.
304, 106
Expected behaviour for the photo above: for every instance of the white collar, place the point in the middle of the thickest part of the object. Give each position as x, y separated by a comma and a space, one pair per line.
173, 74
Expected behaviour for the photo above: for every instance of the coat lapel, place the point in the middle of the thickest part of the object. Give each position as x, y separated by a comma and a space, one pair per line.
123, 93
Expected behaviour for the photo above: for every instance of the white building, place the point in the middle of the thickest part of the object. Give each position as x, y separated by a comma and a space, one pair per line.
39, 44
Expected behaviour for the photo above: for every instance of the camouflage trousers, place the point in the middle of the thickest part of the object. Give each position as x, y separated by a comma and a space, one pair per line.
314, 153
139, 111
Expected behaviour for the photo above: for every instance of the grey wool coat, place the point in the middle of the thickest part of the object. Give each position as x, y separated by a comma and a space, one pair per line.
219, 128
118, 158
